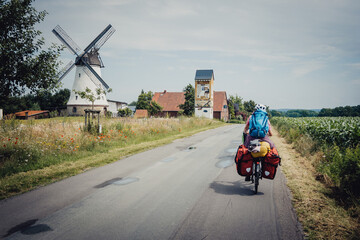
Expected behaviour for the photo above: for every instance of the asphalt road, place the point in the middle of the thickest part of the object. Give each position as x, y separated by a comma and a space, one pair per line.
188, 189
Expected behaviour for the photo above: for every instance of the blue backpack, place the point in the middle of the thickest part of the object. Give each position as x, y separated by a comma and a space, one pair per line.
258, 124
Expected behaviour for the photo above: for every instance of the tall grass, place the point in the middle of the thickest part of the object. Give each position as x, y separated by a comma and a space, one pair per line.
31, 145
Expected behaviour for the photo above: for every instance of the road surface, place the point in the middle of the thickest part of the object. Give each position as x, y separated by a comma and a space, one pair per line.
188, 189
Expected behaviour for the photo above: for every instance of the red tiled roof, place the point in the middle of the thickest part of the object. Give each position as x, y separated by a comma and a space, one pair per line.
141, 113
219, 101
30, 113
170, 101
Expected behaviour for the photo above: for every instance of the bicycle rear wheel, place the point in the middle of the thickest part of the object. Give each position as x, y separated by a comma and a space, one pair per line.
257, 177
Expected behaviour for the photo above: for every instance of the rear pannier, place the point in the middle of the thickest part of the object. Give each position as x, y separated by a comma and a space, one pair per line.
244, 162
270, 164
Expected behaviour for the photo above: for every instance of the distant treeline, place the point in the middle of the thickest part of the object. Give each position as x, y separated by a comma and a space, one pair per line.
294, 113
340, 112
43, 101
347, 111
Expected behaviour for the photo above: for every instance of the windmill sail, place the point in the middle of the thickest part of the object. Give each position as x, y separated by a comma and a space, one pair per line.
65, 39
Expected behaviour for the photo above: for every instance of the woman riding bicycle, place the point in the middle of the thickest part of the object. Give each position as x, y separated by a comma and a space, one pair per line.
247, 133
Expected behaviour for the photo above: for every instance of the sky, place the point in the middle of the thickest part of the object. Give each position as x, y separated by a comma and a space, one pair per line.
281, 53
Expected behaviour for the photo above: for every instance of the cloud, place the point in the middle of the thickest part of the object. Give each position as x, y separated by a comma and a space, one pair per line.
355, 65
306, 68
356, 82
259, 68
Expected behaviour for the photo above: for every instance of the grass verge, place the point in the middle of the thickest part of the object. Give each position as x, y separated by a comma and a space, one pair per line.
319, 213
21, 182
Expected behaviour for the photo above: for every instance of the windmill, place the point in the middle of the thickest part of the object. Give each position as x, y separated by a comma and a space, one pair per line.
88, 70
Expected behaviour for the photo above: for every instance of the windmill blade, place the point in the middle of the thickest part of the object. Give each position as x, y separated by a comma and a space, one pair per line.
93, 75
65, 70
104, 38
65, 39
98, 38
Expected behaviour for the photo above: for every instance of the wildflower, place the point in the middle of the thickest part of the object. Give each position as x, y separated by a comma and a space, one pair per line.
4, 145
62, 135
15, 143
16, 138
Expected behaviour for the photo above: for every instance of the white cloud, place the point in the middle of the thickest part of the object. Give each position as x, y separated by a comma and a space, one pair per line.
259, 68
306, 68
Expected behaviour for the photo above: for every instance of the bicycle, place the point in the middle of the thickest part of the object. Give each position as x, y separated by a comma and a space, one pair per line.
257, 172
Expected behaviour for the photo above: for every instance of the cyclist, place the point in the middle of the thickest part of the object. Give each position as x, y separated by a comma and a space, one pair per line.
248, 138
247, 134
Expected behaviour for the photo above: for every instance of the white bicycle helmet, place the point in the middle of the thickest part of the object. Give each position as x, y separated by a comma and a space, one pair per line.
260, 106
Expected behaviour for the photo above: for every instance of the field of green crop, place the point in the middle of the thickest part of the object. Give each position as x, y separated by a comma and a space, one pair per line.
340, 131
339, 140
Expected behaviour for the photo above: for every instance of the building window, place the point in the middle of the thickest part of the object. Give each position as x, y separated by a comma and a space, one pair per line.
205, 111
74, 109
76, 97
79, 74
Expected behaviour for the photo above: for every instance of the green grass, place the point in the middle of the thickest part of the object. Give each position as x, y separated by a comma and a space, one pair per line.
52, 149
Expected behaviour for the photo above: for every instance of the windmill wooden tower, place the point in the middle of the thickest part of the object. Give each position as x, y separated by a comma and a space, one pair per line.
88, 70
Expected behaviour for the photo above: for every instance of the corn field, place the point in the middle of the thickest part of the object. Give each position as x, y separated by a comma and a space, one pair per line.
343, 132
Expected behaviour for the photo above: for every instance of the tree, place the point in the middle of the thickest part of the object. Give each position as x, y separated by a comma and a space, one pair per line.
126, 112
91, 96
23, 63
237, 100
45, 100
189, 105
249, 106
133, 103
145, 102
154, 108
231, 109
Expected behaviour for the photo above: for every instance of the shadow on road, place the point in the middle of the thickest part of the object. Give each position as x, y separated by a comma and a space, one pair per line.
234, 188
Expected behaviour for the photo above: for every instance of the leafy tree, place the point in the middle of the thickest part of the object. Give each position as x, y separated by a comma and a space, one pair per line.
239, 101
133, 103
347, 111
126, 112
23, 63
91, 96
249, 106
231, 109
144, 100
45, 100
154, 108
276, 113
189, 105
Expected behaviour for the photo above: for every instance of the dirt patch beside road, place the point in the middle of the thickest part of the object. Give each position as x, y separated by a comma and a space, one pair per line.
318, 213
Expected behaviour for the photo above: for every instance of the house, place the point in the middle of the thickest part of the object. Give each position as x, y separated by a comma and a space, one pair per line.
170, 102
141, 113
114, 106
221, 110
29, 114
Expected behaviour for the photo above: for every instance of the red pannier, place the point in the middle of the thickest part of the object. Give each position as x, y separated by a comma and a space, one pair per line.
244, 161
271, 161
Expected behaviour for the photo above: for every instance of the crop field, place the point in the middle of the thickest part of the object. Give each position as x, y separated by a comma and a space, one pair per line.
340, 131
338, 138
